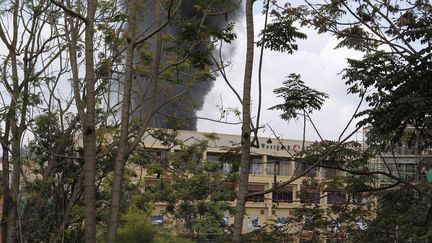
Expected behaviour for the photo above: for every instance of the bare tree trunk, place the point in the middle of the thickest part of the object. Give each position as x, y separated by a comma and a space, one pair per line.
86, 110
304, 130
15, 134
246, 127
89, 184
89, 129
123, 149
14, 189
5, 181
23, 42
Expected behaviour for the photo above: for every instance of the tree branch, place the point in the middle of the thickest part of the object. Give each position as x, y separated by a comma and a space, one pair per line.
69, 11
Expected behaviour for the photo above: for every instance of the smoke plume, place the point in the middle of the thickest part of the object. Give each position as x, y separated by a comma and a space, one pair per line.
179, 101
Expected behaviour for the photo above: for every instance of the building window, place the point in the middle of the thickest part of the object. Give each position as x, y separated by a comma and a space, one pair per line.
328, 173
186, 155
256, 165
253, 223
152, 156
157, 219
310, 196
210, 156
278, 166
336, 197
224, 166
285, 168
256, 188
300, 167
284, 194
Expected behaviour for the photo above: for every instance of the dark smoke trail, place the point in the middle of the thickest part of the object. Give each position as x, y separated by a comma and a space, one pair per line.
180, 99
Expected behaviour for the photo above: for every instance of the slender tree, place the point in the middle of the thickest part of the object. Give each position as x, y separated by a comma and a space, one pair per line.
197, 30
28, 38
246, 126
278, 35
85, 98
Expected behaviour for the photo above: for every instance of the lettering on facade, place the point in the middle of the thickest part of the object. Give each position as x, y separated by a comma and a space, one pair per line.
275, 147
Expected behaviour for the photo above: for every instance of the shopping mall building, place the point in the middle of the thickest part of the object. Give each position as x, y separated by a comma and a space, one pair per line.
271, 162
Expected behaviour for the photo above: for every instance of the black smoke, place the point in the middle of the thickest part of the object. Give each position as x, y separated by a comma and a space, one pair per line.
178, 99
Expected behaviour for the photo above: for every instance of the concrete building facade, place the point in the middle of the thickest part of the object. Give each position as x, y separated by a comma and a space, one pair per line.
272, 161
403, 162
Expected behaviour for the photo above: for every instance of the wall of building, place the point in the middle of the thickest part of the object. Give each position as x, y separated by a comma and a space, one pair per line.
271, 150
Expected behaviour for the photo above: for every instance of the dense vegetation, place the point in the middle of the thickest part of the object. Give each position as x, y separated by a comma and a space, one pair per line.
71, 137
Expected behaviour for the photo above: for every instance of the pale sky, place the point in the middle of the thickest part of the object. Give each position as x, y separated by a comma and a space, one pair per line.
319, 65
316, 61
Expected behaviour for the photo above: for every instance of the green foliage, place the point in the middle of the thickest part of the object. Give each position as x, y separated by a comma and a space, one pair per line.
196, 191
56, 182
342, 218
226, 34
394, 77
281, 34
402, 216
401, 96
297, 98
137, 228
348, 155
312, 223
357, 38
394, 73
51, 182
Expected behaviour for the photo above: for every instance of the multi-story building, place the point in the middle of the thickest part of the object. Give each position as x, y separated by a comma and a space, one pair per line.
271, 162
403, 161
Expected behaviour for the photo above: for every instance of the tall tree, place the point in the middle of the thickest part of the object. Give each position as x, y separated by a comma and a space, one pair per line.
52, 180
31, 45
395, 67
246, 126
394, 75
94, 29
81, 17
187, 56
87, 113
124, 125
278, 35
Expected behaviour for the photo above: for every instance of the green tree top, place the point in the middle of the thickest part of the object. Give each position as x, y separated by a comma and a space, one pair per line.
297, 98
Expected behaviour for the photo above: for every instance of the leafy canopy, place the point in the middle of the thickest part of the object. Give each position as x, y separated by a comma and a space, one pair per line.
298, 98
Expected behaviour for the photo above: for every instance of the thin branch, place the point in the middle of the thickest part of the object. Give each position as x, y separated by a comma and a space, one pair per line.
389, 175
222, 72
260, 64
309, 169
200, 118
159, 28
352, 117
314, 127
69, 11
